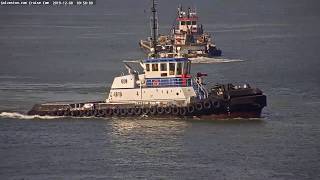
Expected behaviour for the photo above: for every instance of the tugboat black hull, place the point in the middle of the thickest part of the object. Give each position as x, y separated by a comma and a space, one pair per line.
246, 107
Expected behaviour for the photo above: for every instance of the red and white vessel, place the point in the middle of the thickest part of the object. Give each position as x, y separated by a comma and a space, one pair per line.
186, 39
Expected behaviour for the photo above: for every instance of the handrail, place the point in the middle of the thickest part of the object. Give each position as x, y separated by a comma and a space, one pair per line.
201, 90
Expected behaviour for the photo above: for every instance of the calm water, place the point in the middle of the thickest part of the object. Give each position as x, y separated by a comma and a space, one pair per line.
64, 53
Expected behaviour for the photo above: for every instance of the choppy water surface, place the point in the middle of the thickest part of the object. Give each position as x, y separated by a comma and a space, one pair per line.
72, 54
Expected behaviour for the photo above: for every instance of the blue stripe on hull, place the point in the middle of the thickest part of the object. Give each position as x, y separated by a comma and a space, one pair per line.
169, 82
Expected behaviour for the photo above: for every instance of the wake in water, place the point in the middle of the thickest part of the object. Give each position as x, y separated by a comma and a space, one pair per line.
206, 60
17, 115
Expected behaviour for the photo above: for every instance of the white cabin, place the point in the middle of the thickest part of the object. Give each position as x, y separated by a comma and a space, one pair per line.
165, 81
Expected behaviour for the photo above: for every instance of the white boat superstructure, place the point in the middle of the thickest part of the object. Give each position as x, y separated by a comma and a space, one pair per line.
165, 81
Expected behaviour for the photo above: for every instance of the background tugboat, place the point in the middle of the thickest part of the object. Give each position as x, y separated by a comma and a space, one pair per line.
187, 38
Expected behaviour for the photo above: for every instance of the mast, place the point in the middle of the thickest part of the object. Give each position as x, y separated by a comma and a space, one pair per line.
154, 27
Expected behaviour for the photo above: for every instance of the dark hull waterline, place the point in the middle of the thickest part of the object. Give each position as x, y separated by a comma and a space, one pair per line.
245, 107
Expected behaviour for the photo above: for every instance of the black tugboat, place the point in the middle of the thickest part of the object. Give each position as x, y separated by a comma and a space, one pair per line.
164, 88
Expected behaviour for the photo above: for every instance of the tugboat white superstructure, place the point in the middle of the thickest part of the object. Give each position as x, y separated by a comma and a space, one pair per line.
164, 81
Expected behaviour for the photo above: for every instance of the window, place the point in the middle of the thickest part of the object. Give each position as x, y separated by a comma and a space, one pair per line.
183, 23
179, 68
186, 68
155, 67
188, 22
147, 67
163, 67
164, 74
172, 67
194, 22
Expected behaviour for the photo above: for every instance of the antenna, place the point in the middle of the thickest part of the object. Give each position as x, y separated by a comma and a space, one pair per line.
154, 27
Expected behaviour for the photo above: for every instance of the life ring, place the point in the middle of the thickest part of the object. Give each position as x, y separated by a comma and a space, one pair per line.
199, 106
207, 104
123, 111
108, 112
155, 82
175, 110
116, 111
183, 111
153, 110
137, 111
160, 110
190, 109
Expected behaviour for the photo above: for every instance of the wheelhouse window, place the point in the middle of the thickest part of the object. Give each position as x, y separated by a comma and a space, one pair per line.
155, 67
188, 22
148, 67
186, 68
172, 67
179, 68
183, 23
163, 67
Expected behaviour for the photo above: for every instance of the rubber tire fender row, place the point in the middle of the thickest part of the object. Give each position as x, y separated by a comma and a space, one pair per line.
153, 110
175, 110
168, 110
216, 104
183, 111
88, 113
160, 110
137, 111
96, 113
60, 113
108, 112
116, 111
191, 109
207, 104
102, 113
66, 113
199, 106
130, 112
123, 111
146, 111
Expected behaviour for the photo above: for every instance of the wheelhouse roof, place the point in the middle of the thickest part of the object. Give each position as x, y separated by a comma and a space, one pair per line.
166, 60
